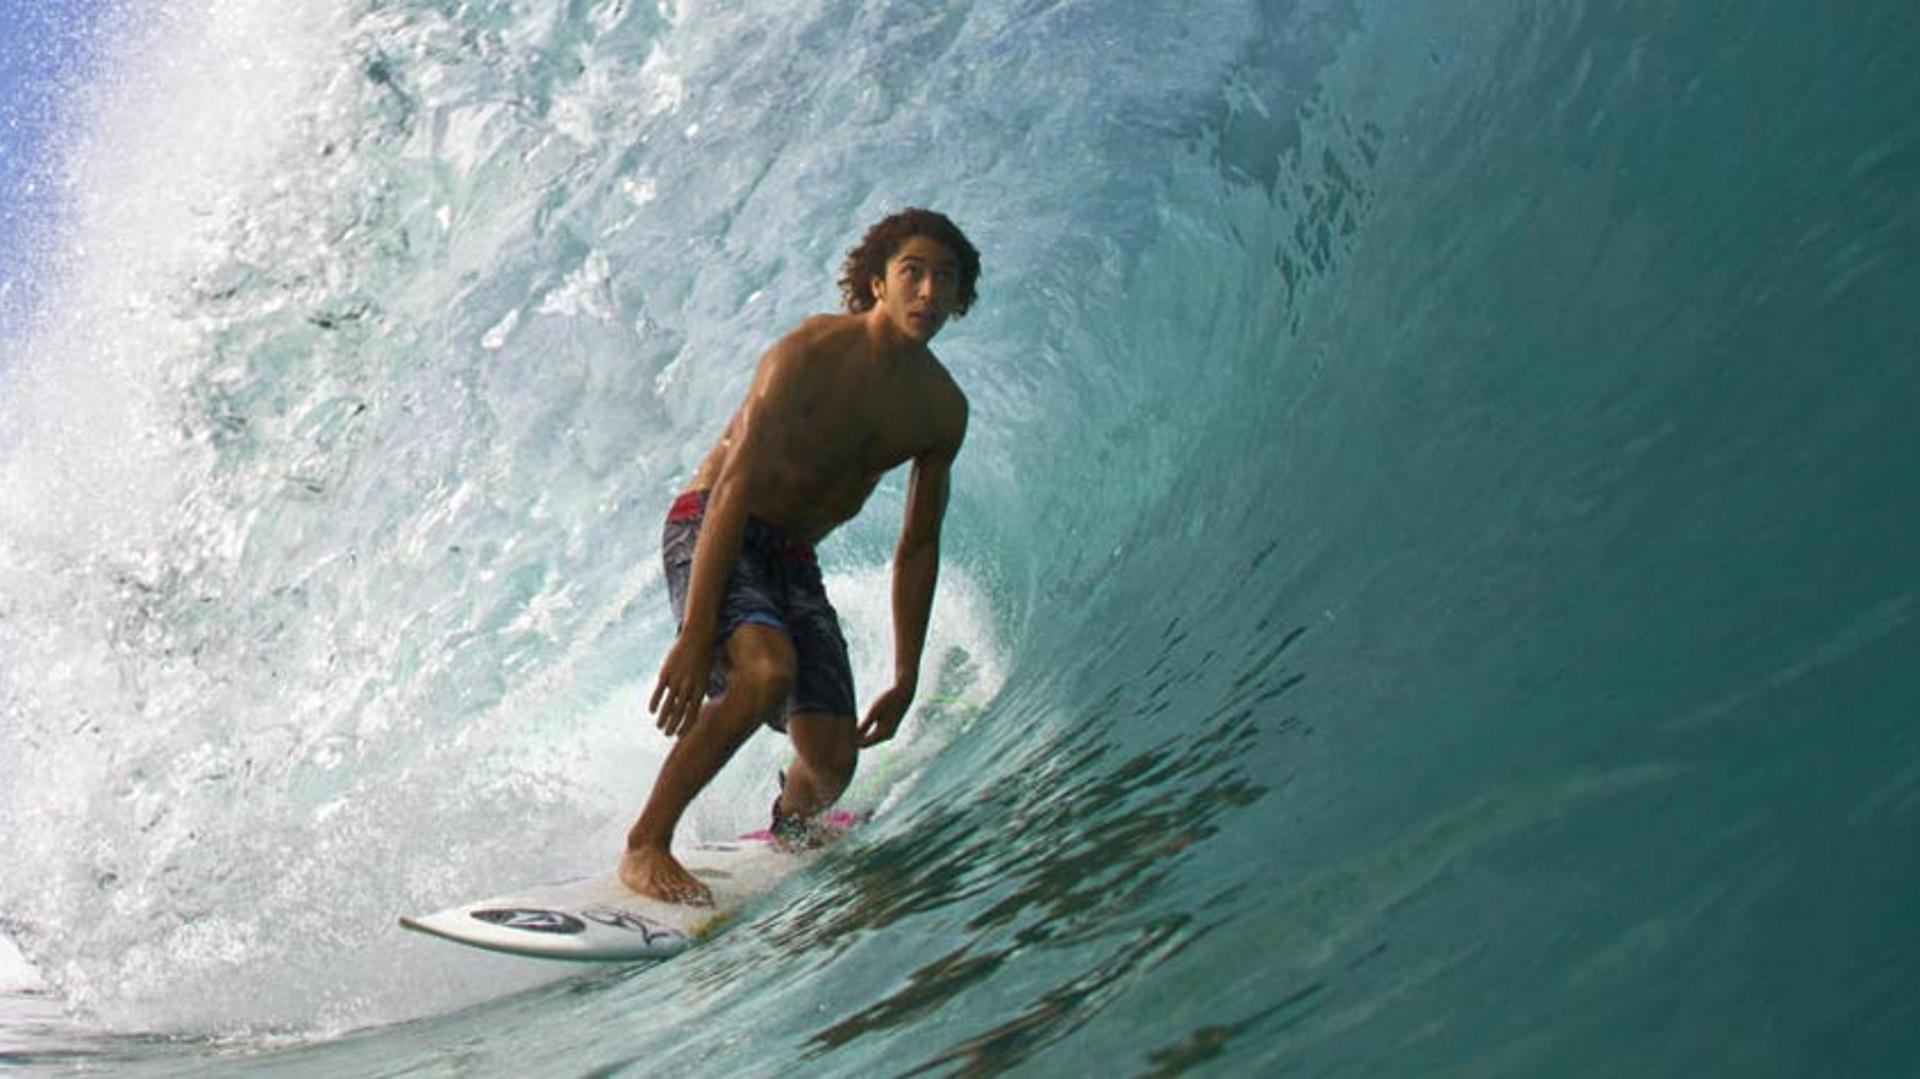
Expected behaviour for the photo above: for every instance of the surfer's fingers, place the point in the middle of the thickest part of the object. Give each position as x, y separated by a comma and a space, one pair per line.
691, 711
683, 706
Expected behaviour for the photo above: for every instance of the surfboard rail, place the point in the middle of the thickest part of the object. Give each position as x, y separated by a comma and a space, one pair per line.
598, 919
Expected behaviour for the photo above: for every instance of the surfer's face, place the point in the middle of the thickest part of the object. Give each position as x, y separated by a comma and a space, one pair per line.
920, 288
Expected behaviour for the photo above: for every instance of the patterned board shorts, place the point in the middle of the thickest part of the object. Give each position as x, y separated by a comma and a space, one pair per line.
775, 582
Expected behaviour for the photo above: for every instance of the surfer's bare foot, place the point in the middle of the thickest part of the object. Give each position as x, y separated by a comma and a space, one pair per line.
652, 871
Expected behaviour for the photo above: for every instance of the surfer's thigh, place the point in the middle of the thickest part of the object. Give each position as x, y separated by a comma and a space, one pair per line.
823, 674
760, 666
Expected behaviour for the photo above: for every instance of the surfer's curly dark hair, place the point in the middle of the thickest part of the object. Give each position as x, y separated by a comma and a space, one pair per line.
869, 259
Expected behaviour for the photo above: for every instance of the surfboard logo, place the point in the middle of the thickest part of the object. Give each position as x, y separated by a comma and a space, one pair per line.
615, 918
532, 920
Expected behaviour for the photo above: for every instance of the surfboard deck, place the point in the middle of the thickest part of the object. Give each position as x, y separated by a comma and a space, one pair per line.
597, 919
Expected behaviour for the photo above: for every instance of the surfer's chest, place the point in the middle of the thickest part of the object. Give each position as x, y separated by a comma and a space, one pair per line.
866, 432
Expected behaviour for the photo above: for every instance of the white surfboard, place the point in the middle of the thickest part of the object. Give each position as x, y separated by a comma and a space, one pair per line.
599, 919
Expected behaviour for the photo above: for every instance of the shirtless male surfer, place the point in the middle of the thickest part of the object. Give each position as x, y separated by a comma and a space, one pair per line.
834, 405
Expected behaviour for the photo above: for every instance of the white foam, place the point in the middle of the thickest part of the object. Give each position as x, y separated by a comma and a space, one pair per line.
16, 974
178, 132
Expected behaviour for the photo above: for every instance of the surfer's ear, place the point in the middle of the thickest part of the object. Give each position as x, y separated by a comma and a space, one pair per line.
875, 286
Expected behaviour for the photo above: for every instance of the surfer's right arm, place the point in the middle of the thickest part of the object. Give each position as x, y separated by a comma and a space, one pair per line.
753, 438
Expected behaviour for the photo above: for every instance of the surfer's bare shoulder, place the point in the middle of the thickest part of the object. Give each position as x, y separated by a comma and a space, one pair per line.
806, 352
946, 410
824, 338
791, 365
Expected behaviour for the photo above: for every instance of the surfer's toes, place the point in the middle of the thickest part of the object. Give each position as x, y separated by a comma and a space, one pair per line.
659, 877
688, 893
686, 890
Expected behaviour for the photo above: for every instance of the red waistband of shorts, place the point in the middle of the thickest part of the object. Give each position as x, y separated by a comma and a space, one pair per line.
690, 505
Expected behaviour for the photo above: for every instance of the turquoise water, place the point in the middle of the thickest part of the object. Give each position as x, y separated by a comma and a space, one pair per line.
1431, 585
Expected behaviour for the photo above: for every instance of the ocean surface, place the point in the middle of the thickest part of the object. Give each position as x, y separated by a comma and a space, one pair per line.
1433, 585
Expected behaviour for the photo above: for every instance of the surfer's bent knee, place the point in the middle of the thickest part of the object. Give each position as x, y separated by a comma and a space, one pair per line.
828, 743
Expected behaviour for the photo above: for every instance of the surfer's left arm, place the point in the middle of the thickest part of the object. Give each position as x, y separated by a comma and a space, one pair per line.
916, 570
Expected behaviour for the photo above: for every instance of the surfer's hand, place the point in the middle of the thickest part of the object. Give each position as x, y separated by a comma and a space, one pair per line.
885, 715
682, 687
